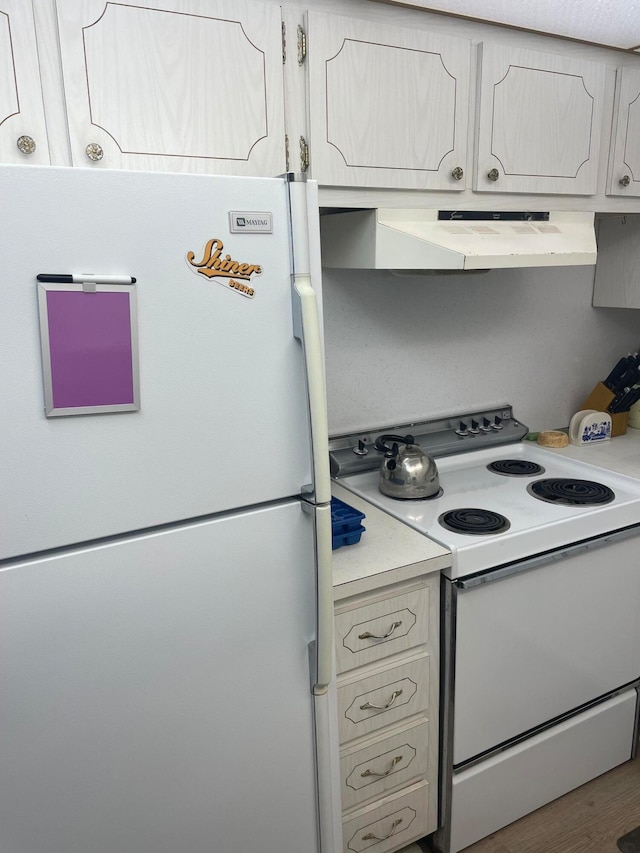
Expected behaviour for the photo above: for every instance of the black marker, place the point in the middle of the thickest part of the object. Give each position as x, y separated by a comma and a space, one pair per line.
62, 278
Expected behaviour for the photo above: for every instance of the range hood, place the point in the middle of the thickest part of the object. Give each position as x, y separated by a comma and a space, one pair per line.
417, 239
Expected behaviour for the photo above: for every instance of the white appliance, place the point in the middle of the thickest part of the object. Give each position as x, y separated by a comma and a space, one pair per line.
541, 641
165, 584
419, 239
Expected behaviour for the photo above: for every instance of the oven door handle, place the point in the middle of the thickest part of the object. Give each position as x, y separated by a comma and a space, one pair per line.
544, 559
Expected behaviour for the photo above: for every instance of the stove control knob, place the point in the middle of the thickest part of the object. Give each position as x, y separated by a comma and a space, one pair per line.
485, 426
360, 450
497, 422
474, 429
463, 429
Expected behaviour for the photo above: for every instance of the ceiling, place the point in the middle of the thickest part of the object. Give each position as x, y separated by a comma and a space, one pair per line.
614, 23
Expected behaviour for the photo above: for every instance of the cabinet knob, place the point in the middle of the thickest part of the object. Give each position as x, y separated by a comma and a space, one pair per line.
26, 144
94, 151
625, 180
493, 175
458, 173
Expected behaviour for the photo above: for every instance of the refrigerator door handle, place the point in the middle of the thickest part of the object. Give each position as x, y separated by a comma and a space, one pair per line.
324, 632
307, 329
315, 386
306, 324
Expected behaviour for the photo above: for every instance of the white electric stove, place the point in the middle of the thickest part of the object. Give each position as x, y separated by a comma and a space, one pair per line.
507, 521
540, 615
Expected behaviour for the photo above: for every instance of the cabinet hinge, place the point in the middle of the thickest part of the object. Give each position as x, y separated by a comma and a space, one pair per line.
286, 152
304, 154
302, 45
284, 42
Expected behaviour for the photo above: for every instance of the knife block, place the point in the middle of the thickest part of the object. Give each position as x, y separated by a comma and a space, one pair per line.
599, 399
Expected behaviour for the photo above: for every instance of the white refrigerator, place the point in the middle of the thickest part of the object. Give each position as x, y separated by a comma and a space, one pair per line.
165, 529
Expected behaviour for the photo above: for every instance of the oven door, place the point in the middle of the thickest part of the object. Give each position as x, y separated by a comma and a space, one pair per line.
537, 640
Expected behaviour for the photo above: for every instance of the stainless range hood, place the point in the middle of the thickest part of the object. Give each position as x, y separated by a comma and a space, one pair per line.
416, 239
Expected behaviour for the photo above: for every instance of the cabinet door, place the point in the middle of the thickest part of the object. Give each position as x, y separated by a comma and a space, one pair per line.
179, 85
388, 105
617, 278
624, 179
22, 124
538, 123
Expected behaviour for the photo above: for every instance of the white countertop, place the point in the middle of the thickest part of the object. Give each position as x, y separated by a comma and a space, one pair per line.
620, 454
388, 551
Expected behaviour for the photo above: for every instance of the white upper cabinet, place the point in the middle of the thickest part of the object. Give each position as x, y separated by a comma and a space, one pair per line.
624, 178
174, 85
539, 122
23, 133
388, 106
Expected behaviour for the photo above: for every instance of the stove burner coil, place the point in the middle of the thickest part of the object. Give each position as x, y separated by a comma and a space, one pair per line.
515, 468
568, 492
475, 522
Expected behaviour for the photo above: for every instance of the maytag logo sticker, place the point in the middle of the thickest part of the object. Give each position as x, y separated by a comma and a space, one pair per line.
223, 268
250, 222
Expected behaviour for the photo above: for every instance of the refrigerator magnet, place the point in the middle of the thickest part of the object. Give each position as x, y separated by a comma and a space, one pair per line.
89, 341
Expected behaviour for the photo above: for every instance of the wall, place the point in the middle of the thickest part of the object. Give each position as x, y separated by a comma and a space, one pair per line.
404, 349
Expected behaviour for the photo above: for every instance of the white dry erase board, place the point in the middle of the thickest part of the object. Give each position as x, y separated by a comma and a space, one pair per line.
88, 333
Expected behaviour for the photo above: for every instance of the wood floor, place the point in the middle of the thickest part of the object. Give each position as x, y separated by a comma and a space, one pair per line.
587, 820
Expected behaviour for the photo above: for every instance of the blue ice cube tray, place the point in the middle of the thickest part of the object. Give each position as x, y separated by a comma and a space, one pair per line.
346, 528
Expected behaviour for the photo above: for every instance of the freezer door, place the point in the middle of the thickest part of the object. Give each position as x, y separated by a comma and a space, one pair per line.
224, 414
155, 692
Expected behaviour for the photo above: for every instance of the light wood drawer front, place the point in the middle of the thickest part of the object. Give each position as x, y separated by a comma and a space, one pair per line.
382, 628
398, 819
384, 765
378, 700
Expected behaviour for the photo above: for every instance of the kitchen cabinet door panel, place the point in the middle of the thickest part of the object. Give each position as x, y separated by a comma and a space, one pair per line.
387, 763
617, 276
21, 110
389, 823
382, 698
539, 122
382, 628
185, 85
388, 105
625, 166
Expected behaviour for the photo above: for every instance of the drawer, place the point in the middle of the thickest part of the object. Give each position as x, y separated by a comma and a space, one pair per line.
384, 697
389, 823
384, 765
382, 628
513, 783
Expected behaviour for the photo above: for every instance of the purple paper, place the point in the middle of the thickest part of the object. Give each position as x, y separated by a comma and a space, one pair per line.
90, 347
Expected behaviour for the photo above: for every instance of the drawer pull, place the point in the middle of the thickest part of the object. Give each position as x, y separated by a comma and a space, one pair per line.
371, 837
369, 636
396, 760
368, 706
